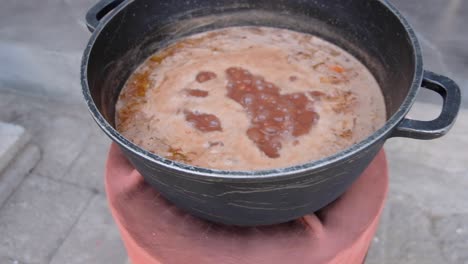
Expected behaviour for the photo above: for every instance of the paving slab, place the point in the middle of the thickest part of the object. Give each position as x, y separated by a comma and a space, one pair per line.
32, 112
5, 100
15, 106
434, 173
59, 129
452, 232
435, 190
88, 169
447, 153
8, 260
405, 236
61, 139
12, 139
34, 78
443, 34
427, 201
95, 239
41, 46
38, 217
58, 24
18, 169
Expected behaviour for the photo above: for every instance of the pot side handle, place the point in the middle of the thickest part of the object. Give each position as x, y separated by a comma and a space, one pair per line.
438, 127
98, 11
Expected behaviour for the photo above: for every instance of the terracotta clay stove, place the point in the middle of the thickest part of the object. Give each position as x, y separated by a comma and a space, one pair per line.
155, 231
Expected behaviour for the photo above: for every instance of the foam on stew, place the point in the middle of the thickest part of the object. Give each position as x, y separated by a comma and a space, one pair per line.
249, 98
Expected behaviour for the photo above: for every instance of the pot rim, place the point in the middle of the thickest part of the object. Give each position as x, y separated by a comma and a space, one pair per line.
185, 170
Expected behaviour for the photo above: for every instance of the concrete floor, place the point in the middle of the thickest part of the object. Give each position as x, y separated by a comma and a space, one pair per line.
58, 214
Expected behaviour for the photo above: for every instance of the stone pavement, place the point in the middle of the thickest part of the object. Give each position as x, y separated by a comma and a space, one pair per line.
14, 138
426, 217
58, 213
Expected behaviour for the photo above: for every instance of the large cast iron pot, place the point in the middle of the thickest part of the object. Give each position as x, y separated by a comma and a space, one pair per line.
127, 32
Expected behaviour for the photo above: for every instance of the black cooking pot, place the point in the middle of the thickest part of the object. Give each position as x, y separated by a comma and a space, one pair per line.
127, 32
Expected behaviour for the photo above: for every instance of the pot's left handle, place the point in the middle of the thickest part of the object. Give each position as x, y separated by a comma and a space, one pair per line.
100, 10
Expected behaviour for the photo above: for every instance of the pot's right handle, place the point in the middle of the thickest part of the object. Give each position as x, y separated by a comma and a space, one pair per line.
100, 10
437, 128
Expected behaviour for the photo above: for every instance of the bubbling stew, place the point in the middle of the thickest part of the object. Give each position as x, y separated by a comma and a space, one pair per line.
249, 98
